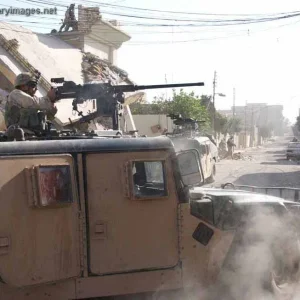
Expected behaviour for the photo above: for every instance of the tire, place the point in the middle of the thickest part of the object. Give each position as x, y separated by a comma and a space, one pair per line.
260, 266
211, 178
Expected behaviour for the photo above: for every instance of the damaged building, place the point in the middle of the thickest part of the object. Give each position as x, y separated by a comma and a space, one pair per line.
87, 54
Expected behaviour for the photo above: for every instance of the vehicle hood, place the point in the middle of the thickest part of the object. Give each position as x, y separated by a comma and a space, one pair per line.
237, 196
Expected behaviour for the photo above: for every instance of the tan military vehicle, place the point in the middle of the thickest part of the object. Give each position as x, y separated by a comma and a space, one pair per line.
85, 216
207, 153
98, 217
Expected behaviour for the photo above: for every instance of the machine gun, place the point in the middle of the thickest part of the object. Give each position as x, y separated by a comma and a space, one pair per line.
109, 98
189, 125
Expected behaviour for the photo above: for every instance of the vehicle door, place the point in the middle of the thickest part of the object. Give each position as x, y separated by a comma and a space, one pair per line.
203, 154
132, 212
39, 228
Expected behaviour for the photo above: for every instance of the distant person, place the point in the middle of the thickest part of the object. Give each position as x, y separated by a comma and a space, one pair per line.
294, 140
230, 145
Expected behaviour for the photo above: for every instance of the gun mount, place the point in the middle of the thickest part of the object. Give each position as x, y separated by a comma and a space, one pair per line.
109, 98
188, 126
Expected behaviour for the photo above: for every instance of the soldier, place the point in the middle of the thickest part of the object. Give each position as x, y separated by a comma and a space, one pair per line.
70, 20
66, 20
71, 12
230, 145
22, 106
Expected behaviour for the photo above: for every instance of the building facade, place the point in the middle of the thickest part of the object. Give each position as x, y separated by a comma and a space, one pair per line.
88, 54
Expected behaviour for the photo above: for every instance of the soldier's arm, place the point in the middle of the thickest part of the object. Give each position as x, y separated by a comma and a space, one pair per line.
24, 100
45, 103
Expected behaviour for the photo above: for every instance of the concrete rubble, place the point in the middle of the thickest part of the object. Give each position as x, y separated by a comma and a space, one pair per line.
241, 156
99, 70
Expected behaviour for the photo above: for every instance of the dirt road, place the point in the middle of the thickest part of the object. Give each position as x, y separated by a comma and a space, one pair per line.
268, 167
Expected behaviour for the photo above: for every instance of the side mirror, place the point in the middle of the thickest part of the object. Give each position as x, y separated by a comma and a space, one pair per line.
189, 167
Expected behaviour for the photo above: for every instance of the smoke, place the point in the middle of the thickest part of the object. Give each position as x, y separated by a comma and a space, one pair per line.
263, 261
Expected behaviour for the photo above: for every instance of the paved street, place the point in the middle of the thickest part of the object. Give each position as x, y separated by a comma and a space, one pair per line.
269, 167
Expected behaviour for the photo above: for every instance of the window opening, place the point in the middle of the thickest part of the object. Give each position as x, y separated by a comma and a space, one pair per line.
149, 179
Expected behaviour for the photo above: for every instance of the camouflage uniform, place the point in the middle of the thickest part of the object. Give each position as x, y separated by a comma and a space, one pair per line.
21, 109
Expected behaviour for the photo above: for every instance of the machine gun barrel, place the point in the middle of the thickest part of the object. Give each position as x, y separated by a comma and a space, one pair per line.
92, 90
133, 88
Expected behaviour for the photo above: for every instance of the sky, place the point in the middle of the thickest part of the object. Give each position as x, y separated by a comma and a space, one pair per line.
260, 61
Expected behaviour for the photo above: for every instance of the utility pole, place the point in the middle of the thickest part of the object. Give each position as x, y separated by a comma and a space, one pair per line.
246, 125
233, 106
166, 82
252, 126
214, 107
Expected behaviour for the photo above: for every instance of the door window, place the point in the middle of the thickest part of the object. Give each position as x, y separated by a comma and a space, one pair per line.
149, 179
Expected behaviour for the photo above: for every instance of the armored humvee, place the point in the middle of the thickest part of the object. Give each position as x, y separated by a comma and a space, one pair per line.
85, 216
119, 217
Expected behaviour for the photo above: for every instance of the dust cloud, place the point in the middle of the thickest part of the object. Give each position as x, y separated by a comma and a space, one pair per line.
263, 262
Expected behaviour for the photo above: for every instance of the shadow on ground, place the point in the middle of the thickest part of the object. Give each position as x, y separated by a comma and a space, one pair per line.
281, 161
285, 179
276, 152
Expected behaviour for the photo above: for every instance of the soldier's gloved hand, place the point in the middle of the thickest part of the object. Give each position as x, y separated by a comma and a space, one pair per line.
52, 95
51, 114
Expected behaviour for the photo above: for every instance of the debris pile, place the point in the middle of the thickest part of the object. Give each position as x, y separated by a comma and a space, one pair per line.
240, 156
97, 69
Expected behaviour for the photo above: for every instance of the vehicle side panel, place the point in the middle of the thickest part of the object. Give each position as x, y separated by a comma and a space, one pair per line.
201, 264
203, 157
131, 283
209, 161
128, 234
59, 291
37, 244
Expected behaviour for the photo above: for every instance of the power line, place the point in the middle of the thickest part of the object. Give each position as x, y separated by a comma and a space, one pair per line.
173, 12
191, 26
141, 43
215, 22
203, 23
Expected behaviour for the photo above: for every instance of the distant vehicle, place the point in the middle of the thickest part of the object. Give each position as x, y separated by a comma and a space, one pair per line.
293, 150
208, 153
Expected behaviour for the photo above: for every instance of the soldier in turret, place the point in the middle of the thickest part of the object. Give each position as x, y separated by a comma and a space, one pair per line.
22, 106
